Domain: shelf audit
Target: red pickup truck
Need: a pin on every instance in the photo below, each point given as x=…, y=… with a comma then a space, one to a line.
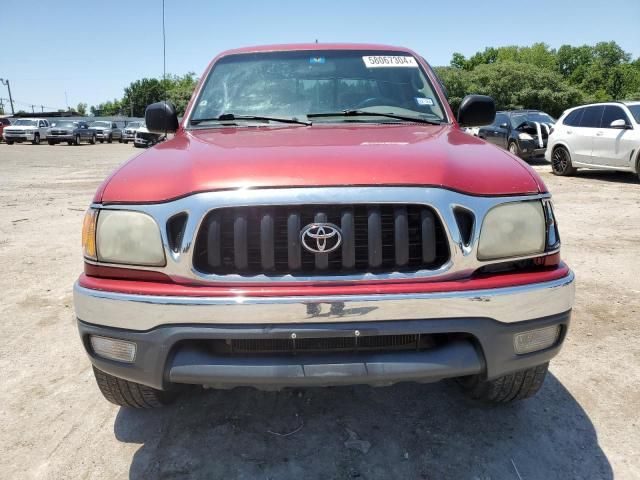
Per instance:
x=320, y=218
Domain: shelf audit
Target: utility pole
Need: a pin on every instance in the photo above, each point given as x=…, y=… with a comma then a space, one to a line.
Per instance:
x=2, y=105
x=6, y=83
x=33, y=110
x=42, y=107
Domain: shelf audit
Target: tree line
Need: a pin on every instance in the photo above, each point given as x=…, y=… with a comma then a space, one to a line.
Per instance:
x=139, y=94
x=544, y=78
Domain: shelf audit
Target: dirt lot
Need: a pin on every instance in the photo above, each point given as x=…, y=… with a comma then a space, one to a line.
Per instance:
x=585, y=423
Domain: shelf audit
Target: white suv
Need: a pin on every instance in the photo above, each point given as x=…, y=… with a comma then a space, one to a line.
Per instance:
x=603, y=136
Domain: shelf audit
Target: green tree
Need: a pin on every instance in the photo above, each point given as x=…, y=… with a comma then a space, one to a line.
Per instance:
x=81, y=108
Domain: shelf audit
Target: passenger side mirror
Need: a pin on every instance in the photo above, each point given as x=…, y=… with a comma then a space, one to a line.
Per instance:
x=476, y=110
x=161, y=117
x=503, y=125
x=620, y=123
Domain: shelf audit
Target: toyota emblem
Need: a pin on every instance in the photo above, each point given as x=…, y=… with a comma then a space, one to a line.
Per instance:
x=321, y=237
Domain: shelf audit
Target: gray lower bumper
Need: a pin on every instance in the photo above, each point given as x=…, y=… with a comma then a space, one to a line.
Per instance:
x=178, y=353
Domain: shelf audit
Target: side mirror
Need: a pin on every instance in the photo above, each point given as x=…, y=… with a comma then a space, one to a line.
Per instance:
x=504, y=125
x=161, y=117
x=476, y=110
x=620, y=123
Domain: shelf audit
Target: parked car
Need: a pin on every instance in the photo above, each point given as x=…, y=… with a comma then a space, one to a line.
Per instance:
x=602, y=136
x=4, y=122
x=144, y=138
x=71, y=132
x=129, y=131
x=472, y=130
x=523, y=132
x=107, y=131
x=330, y=226
x=26, y=130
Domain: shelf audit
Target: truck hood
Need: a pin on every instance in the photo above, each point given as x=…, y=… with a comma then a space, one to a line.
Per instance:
x=18, y=127
x=320, y=155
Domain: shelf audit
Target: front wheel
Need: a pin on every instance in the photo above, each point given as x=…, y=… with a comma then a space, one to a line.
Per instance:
x=92, y=141
x=77, y=140
x=110, y=139
x=51, y=142
x=36, y=139
x=9, y=142
x=561, y=162
x=513, y=149
x=125, y=141
x=130, y=394
x=508, y=388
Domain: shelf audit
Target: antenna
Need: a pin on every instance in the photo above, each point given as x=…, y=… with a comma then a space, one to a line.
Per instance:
x=164, y=47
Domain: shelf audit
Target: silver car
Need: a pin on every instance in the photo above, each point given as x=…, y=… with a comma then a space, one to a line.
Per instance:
x=107, y=131
x=129, y=132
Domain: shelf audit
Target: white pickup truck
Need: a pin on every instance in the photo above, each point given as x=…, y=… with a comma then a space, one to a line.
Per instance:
x=26, y=130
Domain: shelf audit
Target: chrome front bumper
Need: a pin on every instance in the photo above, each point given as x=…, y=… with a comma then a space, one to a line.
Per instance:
x=145, y=312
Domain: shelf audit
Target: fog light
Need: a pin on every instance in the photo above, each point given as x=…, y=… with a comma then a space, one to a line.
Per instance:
x=113, y=349
x=534, y=340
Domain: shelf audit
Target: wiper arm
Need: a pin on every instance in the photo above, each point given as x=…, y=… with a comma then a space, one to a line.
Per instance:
x=362, y=113
x=231, y=117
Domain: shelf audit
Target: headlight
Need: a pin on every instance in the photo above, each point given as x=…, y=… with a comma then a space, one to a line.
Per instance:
x=128, y=237
x=525, y=136
x=512, y=230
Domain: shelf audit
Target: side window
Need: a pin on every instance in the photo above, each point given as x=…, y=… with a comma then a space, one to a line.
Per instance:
x=611, y=113
x=500, y=119
x=573, y=119
x=591, y=117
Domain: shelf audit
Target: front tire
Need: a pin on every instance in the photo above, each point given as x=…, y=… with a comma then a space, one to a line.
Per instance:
x=110, y=139
x=93, y=139
x=51, y=142
x=36, y=139
x=513, y=149
x=125, y=141
x=77, y=140
x=130, y=394
x=561, y=162
x=506, y=389
x=9, y=142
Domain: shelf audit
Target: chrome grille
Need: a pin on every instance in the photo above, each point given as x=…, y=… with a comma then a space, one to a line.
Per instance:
x=376, y=238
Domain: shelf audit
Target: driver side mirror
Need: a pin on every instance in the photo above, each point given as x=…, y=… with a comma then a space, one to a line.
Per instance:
x=504, y=125
x=620, y=124
x=476, y=110
x=161, y=117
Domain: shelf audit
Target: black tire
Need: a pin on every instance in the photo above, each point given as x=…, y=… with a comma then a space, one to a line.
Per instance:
x=101, y=141
x=36, y=139
x=77, y=140
x=125, y=141
x=51, y=142
x=561, y=162
x=506, y=389
x=9, y=142
x=130, y=394
x=120, y=140
x=513, y=149
x=93, y=139
x=110, y=139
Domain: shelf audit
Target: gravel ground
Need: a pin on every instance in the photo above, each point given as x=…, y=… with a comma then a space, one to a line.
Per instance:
x=55, y=424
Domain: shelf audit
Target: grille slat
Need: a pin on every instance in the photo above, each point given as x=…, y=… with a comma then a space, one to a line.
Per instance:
x=376, y=238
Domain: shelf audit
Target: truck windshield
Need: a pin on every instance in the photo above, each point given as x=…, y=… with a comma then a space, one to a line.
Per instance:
x=64, y=124
x=294, y=84
x=25, y=123
x=518, y=119
x=101, y=124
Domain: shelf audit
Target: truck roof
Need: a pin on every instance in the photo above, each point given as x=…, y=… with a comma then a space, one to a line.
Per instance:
x=287, y=47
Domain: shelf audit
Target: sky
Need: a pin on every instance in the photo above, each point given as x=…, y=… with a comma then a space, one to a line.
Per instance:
x=61, y=53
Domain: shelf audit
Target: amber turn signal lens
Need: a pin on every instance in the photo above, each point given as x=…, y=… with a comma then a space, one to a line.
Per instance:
x=89, y=234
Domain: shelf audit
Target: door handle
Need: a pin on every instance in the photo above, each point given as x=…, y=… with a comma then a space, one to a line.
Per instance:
x=569, y=132
x=599, y=134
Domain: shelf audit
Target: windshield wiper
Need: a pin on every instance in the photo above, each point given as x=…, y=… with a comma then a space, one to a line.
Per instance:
x=362, y=113
x=229, y=117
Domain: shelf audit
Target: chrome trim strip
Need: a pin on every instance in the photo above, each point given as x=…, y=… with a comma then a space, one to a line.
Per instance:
x=463, y=260
x=144, y=312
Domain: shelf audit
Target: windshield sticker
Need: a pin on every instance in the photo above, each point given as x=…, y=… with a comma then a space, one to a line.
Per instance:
x=378, y=61
x=316, y=60
x=421, y=101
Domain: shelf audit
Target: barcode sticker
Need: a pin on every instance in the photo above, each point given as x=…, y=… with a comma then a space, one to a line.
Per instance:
x=378, y=61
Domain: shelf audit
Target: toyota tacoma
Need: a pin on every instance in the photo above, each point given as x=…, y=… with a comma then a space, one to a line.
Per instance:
x=320, y=218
